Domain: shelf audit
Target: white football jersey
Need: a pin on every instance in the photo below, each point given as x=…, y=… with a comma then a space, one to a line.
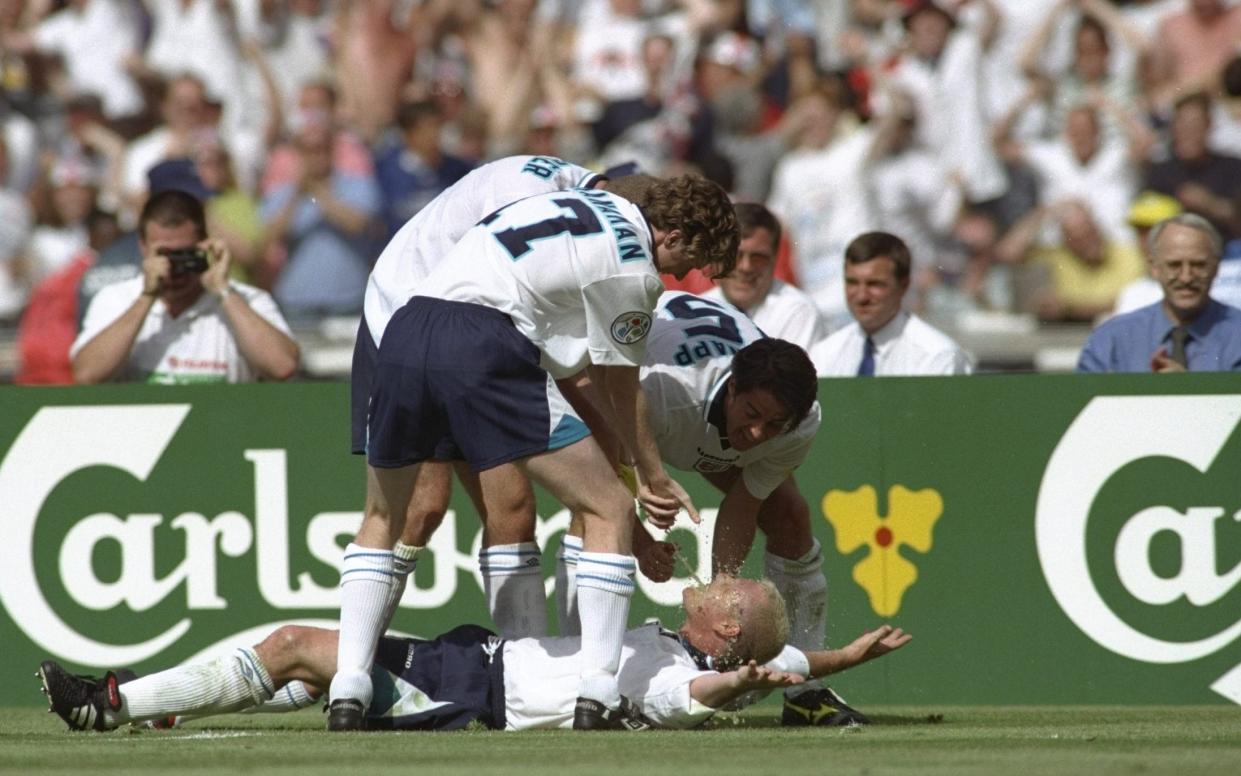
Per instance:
x=688, y=362
x=541, y=678
x=573, y=269
x=425, y=239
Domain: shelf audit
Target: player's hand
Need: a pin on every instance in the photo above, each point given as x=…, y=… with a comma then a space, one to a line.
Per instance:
x=663, y=499
x=752, y=676
x=657, y=560
x=219, y=261
x=876, y=643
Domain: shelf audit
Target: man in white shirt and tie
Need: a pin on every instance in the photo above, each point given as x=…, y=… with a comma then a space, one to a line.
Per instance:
x=883, y=339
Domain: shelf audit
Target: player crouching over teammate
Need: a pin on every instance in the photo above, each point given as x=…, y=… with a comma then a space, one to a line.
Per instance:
x=671, y=679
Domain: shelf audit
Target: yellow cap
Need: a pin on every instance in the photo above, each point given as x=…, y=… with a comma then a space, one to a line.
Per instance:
x=1149, y=208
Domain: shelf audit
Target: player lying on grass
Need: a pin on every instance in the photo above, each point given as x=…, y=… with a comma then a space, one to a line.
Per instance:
x=672, y=679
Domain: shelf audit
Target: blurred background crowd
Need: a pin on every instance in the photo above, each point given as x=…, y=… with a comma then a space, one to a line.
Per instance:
x=1021, y=148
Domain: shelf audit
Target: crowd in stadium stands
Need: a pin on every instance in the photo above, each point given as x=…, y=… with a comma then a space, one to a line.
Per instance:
x=1019, y=148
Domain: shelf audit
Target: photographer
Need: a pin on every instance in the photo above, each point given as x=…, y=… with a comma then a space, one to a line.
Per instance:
x=182, y=320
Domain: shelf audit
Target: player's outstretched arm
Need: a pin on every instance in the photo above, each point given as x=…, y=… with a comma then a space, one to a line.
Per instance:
x=718, y=690
x=868, y=646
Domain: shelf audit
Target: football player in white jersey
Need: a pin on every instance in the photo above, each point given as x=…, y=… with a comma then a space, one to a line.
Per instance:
x=467, y=370
x=507, y=506
x=674, y=679
x=740, y=408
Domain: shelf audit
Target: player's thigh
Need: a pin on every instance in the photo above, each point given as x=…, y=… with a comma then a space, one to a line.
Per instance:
x=504, y=498
x=784, y=518
x=579, y=477
x=723, y=481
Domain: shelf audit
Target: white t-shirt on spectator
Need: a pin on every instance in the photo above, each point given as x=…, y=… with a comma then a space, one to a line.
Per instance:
x=93, y=43
x=1105, y=182
x=821, y=197
x=907, y=346
x=786, y=313
x=195, y=347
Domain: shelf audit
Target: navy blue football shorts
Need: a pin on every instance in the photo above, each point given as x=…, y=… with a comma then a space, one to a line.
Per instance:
x=458, y=381
x=443, y=684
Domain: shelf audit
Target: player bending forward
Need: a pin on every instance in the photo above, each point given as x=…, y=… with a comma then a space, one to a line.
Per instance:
x=672, y=679
x=739, y=408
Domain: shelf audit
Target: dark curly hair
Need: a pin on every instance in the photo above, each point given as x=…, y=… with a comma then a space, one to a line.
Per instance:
x=704, y=215
x=782, y=368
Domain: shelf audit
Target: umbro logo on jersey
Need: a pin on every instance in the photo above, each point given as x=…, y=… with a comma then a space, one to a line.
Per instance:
x=631, y=327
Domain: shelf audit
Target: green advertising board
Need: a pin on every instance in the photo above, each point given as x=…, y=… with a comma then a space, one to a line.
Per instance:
x=1047, y=539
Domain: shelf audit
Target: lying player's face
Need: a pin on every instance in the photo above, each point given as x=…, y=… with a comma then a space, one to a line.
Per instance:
x=753, y=417
x=716, y=601
x=873, y=292
x=750, y=282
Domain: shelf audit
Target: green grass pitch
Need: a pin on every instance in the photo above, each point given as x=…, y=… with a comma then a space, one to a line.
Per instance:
x=905, y=740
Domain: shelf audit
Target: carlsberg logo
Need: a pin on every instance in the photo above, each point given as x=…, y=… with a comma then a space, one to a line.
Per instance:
x=1109, y=434
x=59, y=441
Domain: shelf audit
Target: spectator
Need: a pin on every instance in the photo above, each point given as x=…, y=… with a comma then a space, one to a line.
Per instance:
x=818, y=194
x=1076, y=277
x=1082, y=164
x=232, y=212
x=16, y=221
x=1147, y=210
x=779, y=309
x=376, y=46
x=1187, y=330
x=1192, y=48
x=942, y=70
x=1226, y=121
x=883, y=339
x=185, y=111
x=50, y=323
x=414, y=170
x=316, y=106
x=1205, y=182
x=915, y=197
x=1107, y=53
x=93, y=41
x=71, y=192
x=183, y=320
x=324, y=222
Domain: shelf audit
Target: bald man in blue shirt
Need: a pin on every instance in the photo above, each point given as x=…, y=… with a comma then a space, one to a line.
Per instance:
x=1187, y=330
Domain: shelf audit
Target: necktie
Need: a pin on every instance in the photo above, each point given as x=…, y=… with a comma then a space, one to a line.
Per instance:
x=867, y=367
x=1180, y=335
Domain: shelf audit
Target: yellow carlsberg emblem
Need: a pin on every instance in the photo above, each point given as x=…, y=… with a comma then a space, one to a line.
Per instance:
x=883, y=573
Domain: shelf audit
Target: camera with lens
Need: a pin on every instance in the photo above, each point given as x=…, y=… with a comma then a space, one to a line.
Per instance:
x=185, y=261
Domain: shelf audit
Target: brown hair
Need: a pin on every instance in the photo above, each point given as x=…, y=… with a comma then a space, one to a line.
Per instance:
x=873, y=245
x=172, y=208
x=780, y=367
x=704, y=215
x=752, y=215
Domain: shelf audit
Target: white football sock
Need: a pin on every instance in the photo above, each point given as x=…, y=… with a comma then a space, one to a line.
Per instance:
x=404, y=561
x=604, y=587
x=365, y=582
x=293, y=696
x=224, y=684
x=804, y=588
x=513, y=584
x=566, y=585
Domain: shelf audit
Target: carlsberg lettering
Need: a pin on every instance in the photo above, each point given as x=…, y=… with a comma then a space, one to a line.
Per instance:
x=1103, y=438
x=59, y=441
